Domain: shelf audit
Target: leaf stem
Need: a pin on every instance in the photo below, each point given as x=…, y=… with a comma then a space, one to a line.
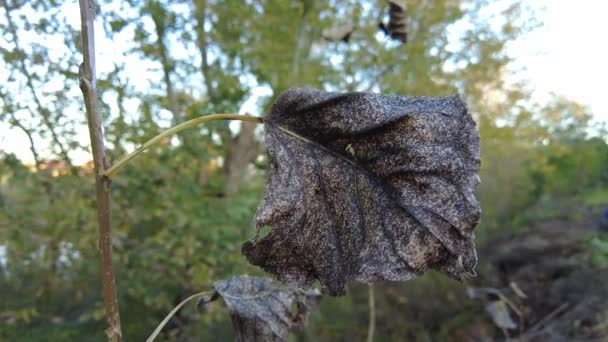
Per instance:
x=171, y=131
x=162, y=324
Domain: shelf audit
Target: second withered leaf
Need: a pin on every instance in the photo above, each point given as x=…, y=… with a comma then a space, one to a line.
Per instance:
x=367, y=187
x=261, y=310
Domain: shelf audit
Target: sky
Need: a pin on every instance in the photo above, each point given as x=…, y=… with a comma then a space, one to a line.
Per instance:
x=567, y=55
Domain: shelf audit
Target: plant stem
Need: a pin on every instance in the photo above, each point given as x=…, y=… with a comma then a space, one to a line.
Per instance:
x=372, y=314
x=89, y=91
x=173, y=130
x=162, y=324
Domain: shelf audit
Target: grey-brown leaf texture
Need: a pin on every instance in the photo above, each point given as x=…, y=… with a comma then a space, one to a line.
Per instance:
x=263, y=311
x=382, y=190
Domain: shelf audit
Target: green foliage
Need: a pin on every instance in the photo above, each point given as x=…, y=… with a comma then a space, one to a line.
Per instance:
x=539, y=167
x=596, y=197
x=598, y=246
x=171, y=237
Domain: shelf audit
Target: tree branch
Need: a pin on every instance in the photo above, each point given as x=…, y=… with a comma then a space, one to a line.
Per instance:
x=297, y=50
x=15, y=122
x=158, y=17
x=242, y=149
x=120, y=101
x=200, y=12
x=89, y=92
x=44, y=112
x=27, y=132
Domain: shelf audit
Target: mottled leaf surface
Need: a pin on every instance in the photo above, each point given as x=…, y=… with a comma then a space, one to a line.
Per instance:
x=261, y=310
x=380, y=188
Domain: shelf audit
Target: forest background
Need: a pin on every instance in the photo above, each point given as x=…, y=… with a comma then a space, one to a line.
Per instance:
x=182, y=210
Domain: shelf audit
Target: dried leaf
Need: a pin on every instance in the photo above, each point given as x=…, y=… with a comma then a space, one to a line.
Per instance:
x=397, y=21
x=367, y=187
x=340, y=33
x=263, y=311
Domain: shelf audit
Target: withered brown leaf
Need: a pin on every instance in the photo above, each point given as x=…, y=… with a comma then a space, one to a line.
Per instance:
x=263, y=311
x=376, y=187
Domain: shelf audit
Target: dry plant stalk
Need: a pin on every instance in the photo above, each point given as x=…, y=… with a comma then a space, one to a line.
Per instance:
x=89, y=92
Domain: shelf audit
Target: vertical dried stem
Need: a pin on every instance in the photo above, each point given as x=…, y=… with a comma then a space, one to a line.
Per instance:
x=89, y=92
x=372, y=314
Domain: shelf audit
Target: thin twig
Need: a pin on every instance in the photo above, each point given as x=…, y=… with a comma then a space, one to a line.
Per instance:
x=162, y=324
x=28, y=132
x=191, y=123
x=89, y=92
x=43, y=111
x=30, y=138
x=549, y=317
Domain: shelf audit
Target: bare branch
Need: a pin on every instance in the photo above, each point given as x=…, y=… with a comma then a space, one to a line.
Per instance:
x=200, y=8
x=89, y=92
x=28, y=132
x=165, y=60
x=241, y=150
x=299, y=44
x=43, y=111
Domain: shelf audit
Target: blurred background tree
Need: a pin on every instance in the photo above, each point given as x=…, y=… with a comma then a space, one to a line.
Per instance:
x=182, y=210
